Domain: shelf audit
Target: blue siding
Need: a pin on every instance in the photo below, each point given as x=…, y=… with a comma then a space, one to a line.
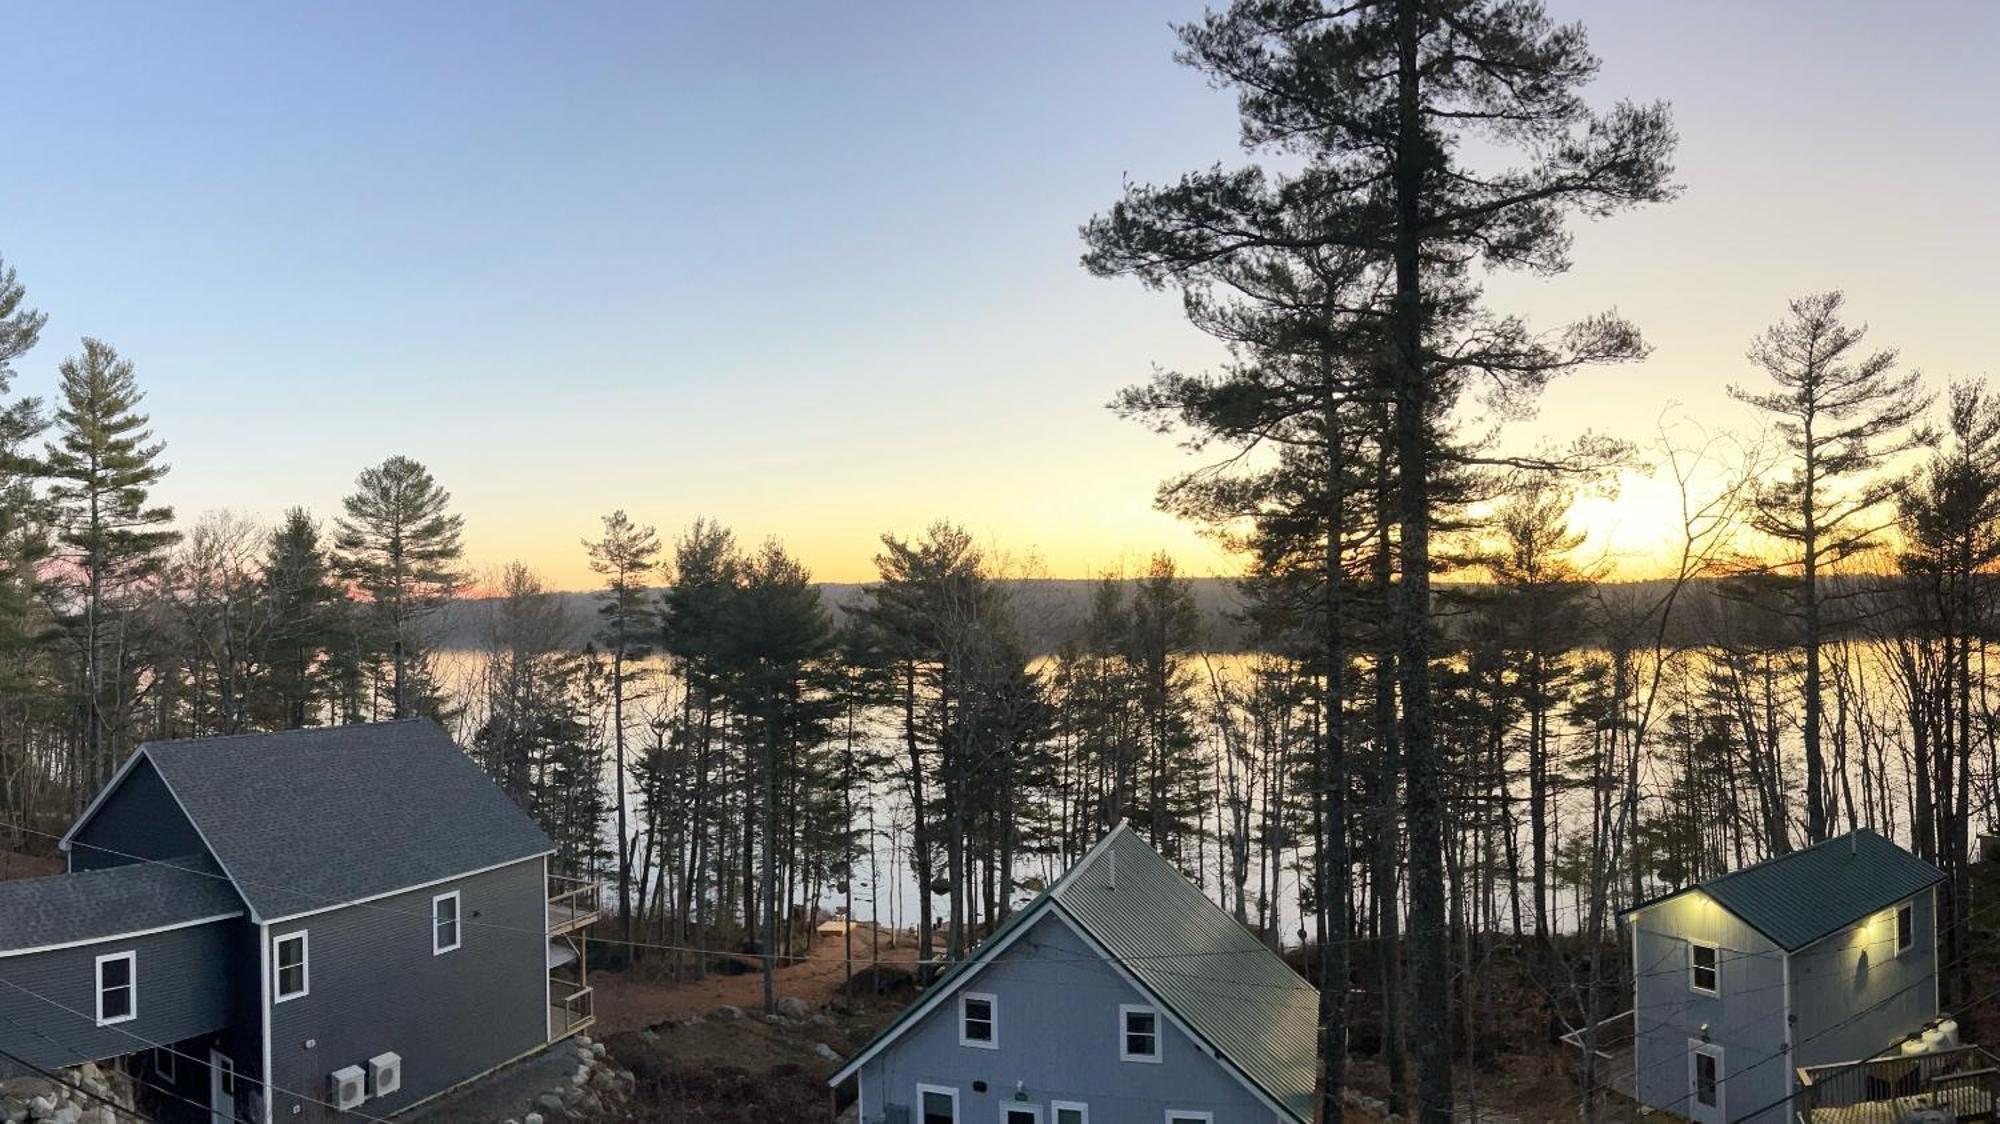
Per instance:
x=1058, y=1041
x=139, y=818
x=1854, y=997
x=184, y=990
x=1747, y=1019
x=375, y=987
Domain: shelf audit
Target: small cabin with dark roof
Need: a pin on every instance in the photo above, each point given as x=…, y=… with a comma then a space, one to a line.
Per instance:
x=1119, y=995
x=1747, y=985
x=288, y=926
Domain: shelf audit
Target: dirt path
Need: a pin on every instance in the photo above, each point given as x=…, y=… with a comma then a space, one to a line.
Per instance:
x=638, y=998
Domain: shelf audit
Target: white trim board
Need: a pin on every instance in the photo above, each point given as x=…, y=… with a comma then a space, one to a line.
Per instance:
x=134, y=935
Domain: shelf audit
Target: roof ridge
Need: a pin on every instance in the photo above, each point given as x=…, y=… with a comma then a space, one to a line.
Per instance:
x=1808, y=849
x=210, y=739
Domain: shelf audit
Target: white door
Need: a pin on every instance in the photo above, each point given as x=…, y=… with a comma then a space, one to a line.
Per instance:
x=221, y=1088
x=1705, y=1078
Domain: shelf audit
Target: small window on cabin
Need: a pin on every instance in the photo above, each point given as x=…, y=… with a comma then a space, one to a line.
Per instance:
x=1906, y=927
x=444, y=923
x=978, y=1021
x=1138, y=1034
x=288, y=966
x=1070, y=1112
x=1703, y=974
x=937, y=1105
x=117, y=988
x=163, y=1064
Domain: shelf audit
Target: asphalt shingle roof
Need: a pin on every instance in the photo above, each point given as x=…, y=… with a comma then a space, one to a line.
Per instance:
x=1798, y=898
x=92, y=904
x=305, y=819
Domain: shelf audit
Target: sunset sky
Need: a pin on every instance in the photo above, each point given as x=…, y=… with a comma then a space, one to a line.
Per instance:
x=811, y=269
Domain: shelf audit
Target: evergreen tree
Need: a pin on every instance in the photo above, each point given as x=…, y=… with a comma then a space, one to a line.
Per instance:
x=102, y=466
x=304, y=607
x=1841, y=414
x=626, y=556
x=399, y=545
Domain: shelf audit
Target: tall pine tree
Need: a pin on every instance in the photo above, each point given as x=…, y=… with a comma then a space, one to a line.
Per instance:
x=626, y=556
x=399, y=544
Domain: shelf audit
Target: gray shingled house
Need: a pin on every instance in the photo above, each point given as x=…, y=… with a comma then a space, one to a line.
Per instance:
x=275, y=926
x=1119, y=995
x=1747, y=982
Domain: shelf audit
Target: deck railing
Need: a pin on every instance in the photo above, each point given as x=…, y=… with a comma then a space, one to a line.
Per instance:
x=573, y=903
x=570, y=1007
x=1964, y=1080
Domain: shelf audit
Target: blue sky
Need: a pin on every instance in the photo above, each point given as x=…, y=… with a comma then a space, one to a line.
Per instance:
x=811, y=269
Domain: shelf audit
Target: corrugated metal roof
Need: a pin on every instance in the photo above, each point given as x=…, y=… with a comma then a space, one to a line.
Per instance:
x=1199, y=964
x=1798, y=898
x=1212, y=973
x=305, y=819
x=114, y=901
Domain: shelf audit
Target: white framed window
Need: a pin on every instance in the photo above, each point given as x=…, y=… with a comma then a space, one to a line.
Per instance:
x=937, y=1104
x=1069, y=1112
x=1188, y=1116
x=289, y=975
x=117, y=988
x=979, y=1020
x=163, y=1064
x=444, y=923
x=1138, y=1034
x=1704, y=968
x=1906, y=927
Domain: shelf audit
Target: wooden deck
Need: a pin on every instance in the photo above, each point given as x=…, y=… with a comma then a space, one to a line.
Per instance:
x=1963, y=1081
x=1614, y=1070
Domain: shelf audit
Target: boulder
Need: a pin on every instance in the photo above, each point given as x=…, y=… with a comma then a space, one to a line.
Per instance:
x=13, y=1110
x=597, y=1049
x=792, y=1007
x=550, y=1101
x=533, y=1118
x=825, y=1051
x=727, y=1012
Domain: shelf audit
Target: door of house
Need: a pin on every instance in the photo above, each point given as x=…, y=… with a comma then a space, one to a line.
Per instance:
x=221, y=1088
x=1021, y=1114
x=1705, y=1076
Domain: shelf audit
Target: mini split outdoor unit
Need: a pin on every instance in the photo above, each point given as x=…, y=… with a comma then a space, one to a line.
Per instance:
x=385, y=1074
x=348, y=1087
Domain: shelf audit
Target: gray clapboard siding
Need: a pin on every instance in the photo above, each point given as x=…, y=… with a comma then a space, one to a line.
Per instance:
x=1854, y=997
x=1058, y=1030
x=137, y=820
x=184, y=990
x=375, y=987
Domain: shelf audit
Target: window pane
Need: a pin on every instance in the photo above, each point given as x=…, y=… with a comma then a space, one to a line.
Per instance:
x=117, y=1002
x=1021, y=1116
x=937, y=1109
x=1704, y=1079
x=1905, y=927
x=1069, y=1116
x=117, y=973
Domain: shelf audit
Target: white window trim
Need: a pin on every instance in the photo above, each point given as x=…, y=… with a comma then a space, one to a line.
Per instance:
x=131, y=987
x=1124, y=1035
x=1183, y=1115
x=1709, y=1049
x=1695, y=987
x=457, y=923
x=1057, y=1108
x=278, y=992
x=163, y=1065
x=948, y=1090
x=1909, y=907
x=992, y=1020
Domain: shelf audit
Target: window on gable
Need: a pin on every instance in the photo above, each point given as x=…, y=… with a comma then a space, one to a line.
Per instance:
x=117, y=988
x=1704, y=973
x=1906, y=927
x=444, y=923
x=288, y=967
x=1138, y=1034
x=978, y=1021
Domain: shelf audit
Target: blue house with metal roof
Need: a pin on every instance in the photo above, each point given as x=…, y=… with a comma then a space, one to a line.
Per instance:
x=294, y=925
x=1119, y=995
x=1741, y=983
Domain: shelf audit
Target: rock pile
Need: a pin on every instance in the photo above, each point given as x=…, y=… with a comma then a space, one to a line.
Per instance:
x=594, y=1088
x=83, y=1096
